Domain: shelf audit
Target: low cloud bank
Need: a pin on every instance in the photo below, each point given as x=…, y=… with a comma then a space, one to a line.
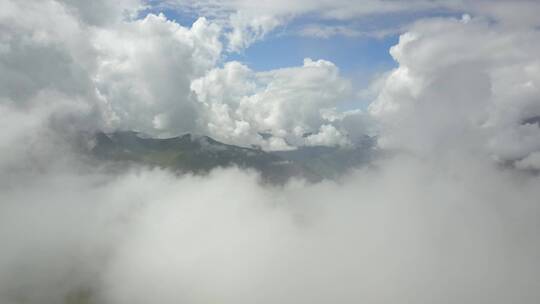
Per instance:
x=408, y=229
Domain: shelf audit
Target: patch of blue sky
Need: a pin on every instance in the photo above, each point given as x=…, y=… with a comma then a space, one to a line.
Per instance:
x=355, y=55
x=365, y=48
x=348, y=53
x=360, y=56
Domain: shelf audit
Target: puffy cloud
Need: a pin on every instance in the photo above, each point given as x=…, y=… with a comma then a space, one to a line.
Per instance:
x=462, y=85
x=136, y=74
x=145, y=70
x=156, y=76
x=328, y=135
x=286, y=102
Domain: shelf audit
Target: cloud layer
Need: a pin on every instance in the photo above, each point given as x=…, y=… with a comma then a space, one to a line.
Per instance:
x=408, y=230
x=448, y=213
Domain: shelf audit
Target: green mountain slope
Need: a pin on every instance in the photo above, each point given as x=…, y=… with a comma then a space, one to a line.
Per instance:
x=189, y=153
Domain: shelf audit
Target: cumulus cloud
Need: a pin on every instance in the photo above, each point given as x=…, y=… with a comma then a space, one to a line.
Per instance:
x=328, y=135
x=156, y=76
x=287, y=103
x=452, y=90
x=145, y=70
x=135, y=74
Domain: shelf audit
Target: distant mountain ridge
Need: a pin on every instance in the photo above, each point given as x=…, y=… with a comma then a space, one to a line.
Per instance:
x=200, y=154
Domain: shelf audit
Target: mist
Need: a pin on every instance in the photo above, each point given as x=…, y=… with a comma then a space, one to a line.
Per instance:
x=406, y=229
x=446, y=209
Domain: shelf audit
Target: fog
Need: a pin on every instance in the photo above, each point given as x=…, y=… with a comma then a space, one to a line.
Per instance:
x=448, y=210
x=406, y=229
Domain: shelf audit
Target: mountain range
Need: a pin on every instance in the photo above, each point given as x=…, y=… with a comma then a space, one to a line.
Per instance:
x=200, y=154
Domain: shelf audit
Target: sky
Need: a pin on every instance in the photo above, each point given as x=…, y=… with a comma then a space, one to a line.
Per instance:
x=233, y=70
x=288, y=45
x=446, y=212
x=360, y=57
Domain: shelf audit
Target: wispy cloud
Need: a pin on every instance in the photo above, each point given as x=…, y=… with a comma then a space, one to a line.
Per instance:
x=328, y=31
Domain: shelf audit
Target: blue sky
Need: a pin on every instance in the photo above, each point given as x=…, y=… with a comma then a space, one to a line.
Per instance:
x=360, y=58
x=350, y=54
x=357, y=57
x=284, y=47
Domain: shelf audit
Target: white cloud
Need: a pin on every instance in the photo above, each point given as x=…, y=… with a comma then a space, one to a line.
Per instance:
x=134, y=73
x=103, y=12
x=515, y=12
x=249, y=21
x=413, y=227
x=518, y=13
x=246, y=29
x=339, y=9
x=145, y=70
x=139, y=74
x=462, y=84
x=43, y=48
x=327, y=31
x=285, y=102
x=156, y=76
x=328, y=135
